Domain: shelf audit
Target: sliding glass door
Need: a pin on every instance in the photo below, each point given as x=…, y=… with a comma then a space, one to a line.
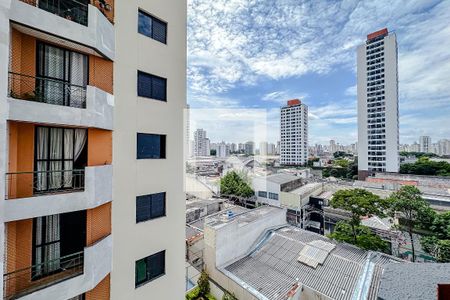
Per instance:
x=62, y=76
x=57, y=151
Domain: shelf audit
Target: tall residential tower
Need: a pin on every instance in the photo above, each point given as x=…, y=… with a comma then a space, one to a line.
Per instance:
x=378, y=129
x=294, y=133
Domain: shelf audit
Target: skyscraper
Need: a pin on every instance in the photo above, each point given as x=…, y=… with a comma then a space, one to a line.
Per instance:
x=294, y=133
x=424, y=144
x=201, y=143
x=378, y=129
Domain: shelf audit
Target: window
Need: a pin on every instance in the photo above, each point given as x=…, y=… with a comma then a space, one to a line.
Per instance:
x=262, y=194
x=150, y=268
x=151, y=86
x=151, y=146
x=150, y=207
x=152, y=27
x=273, y=196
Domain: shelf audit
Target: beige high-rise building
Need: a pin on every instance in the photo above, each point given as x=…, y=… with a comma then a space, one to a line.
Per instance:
x=148, y=193
x=92, y=94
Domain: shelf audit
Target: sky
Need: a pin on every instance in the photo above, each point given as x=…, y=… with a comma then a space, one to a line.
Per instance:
x=254, y=55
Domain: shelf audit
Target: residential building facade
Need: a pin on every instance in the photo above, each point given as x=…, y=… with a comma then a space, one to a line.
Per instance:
x=201, y=143
x=56, y=127
x=149, y=209
x=377, y=89
x=425, y=144
x=294, y=133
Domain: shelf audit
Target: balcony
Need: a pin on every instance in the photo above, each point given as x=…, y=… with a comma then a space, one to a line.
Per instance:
x=72, y=20
x=72, y=275
x=58, y=102
x=28, y=280
x=35, y=194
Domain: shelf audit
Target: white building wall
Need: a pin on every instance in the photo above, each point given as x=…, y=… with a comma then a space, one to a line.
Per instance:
x=133, y=177
x=294, y=137
x=4, y=59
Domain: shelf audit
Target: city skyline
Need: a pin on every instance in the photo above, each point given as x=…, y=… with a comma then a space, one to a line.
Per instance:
x=318, y=64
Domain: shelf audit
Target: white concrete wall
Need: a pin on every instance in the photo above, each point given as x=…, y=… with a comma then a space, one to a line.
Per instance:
x=98, y=191
x=362, y=108
x=134, y=177
x=4, y=63
x=99, y=34
x=97, y=264
x=261, y=184
x=391, y=95
x=98, y=112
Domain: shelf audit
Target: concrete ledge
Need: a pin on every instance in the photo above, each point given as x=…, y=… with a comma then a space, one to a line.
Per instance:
x=98, y=35
x=98, y=191
x=98, y=112
x=97, y=264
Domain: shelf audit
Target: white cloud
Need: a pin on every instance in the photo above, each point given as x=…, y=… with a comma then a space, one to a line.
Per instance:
x=282, y=96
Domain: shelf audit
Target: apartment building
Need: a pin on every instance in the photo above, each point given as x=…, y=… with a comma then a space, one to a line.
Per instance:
x=86, y=85
x=56, y=167
x=201, y=143
x=377, y=89
x=424, y=143
x=149, y=202
x=294, y=133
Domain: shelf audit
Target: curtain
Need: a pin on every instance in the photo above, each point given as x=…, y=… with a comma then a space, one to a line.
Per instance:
x=78, y=77
x=47, y=244
x=80, y=141
x=68, y=157
x=41, y=153
x=53, y=70
x=56, y=155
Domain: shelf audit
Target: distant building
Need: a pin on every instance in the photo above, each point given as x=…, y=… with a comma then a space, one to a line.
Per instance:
x=268, y=188
x=233, y=147
x=222, y=150
x=241, y=147
x=271, y=149
x=249, y=148
x=378, y=129
x=424, y=144
x=294, y=133
x=263, y=147
x=201, y=143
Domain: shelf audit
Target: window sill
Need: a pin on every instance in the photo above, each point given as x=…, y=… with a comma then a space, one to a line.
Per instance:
x=152, y=219
x=151, y=280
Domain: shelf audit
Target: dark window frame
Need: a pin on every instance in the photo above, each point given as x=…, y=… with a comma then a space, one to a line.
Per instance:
x=162, y=148
x=142, y=92
x=147, y=261
x=152, y=20
x=151, y=215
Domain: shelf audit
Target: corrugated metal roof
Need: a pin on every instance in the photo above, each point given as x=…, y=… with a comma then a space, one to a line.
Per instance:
x=273, y=269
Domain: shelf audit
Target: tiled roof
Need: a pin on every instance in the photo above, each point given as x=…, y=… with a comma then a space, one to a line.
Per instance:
x=273, y=269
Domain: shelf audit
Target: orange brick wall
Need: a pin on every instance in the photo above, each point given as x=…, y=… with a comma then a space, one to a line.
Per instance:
x=101, y=291
x=21, y=159
x=98, y=223
x=101, y=73
x=99, y=147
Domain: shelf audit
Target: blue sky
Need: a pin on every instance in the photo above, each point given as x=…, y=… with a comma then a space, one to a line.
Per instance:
x=257, y=54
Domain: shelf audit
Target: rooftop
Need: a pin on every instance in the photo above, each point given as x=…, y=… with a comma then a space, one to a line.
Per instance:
x=421, y=283
x=307, y=188
x=281, y=178
x=241, y=215
x=341, y=271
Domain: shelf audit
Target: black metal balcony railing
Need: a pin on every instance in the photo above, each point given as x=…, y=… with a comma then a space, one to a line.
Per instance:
x=28, y=280
x=29, y=184
x=46, y=90
x=76, y=11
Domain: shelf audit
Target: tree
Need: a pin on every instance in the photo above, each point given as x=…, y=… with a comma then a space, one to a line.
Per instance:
x=233, y=184
x=203, y=284
x=359, y=203
x=365, y=238
x=413, y=209
x=438, y=243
